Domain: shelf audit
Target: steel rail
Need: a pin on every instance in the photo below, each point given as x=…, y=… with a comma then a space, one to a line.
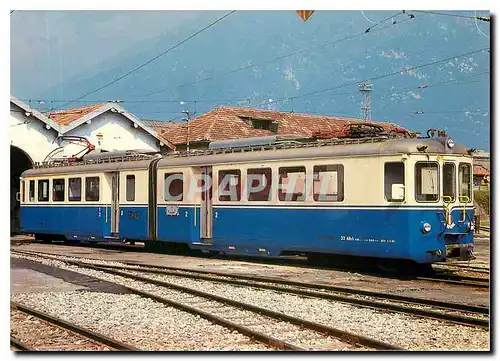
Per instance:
x=461, y=267
x=344, y=336
x=285, y=261
x=19, y=346
x=234, y=279
x=348, y=290
x=330, y=331
x=468, y=321
x=74, y=328
x=457, y=280
x=237, y=279
x=258, y=336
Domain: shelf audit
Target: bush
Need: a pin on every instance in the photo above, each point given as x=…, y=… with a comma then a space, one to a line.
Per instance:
x=482, y=198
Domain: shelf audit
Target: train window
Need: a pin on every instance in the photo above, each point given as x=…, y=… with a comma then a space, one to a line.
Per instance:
x=259, y=182
x=130, y=189
x=58, y=190
x=464, y=176
x=394, y=173
x=292, y=184
x=75, y=189
x=230, y=185
x=32, y=191
x=426, y=182
x=92, y=189
x=328, y=183
x=43, y=190
x=173, y=187
x=449, y=185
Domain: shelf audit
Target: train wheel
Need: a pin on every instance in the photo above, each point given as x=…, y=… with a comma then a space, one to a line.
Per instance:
x=153, y=246
x=44, y=238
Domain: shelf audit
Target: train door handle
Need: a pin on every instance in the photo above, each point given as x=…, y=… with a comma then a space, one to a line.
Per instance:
x=121, y=213
x=216, y=215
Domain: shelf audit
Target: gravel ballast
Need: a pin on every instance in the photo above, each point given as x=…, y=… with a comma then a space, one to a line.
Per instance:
x=401, y=330
x=44, y=336
x=137, y=321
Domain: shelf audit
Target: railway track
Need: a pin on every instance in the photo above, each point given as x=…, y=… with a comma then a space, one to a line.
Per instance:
x=17, y=345
x=484, y=228
x=261, y=324
x=447, y=311
x=476, y=282
x=88, y=339
x=302, y=262
x=462, y=267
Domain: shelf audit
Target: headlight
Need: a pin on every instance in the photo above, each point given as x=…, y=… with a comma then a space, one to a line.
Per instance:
x=426, y=227
x=450, y=143
x=471, y=226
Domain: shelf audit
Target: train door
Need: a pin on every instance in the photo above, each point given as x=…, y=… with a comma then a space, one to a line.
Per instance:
x=206, y=203
x=115, y=203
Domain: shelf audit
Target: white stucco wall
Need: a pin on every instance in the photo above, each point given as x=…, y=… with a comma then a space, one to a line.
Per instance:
x=108, y=131
x=30, y=134
x=112, y=131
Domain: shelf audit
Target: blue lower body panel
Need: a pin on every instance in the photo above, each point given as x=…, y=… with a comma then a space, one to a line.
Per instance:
x=382, y=233
x=66, y=220
x=134, y=223
x=389, y=232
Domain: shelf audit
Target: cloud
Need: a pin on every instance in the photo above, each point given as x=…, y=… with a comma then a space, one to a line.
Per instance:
x=415, y=95
x=392, y=54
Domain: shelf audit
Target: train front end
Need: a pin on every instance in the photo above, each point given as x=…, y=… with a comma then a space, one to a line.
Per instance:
x=441, y=224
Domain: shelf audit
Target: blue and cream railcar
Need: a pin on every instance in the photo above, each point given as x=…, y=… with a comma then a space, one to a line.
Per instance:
x=405, y=199
x=93, y=202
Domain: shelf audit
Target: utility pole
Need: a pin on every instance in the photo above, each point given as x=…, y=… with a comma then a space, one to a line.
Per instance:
x=366, y=105
x=187, y=119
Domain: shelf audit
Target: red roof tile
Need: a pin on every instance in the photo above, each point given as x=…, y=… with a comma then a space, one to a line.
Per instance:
x=224, y=123
x=479, y=170
x=66, y=117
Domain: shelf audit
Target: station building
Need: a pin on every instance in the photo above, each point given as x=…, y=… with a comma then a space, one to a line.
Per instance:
x=35, y=136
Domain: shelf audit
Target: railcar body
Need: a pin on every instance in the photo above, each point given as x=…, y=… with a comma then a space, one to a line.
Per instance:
x=405, y=199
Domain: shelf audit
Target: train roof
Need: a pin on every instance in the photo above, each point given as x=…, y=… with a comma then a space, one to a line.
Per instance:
x=337, y=148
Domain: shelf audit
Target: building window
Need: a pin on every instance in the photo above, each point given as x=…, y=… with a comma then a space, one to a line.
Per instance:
x=32, y=191
x=449, y=183
x=173, y=187
x=426, y=182
x=260, y=124
x=75, y=189
x=92, y=189
x=394, y=173
x=43, y=190
x=328, y=183
x=230, y=185
x=58, y=190
x=464, y=176
x=259, y=182
x=130, y=188
x=292, y=184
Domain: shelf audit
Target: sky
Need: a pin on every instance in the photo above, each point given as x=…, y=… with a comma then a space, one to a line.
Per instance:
x=66, y=44
x=61, y=55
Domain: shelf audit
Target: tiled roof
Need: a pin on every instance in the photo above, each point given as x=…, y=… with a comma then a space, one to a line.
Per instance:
x=66, y=117
x=480, y=171
x=224, y=123
x=161, y=129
